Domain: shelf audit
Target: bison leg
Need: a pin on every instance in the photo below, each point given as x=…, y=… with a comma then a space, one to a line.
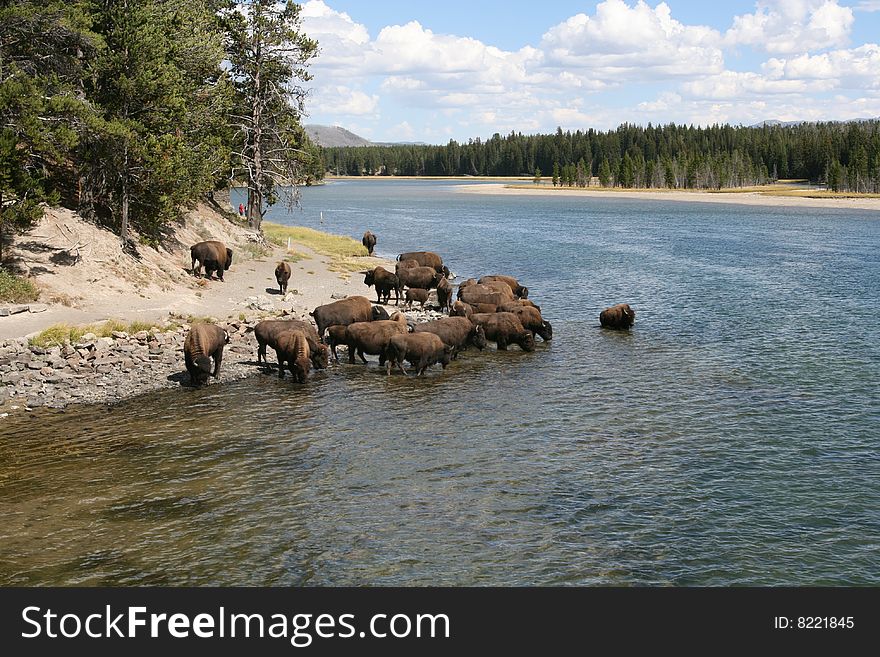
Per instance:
x=361, y=354
x=261, y=353
x=502, y=345
x=196, y=272
x=400, y=365
x=281, y=366
x=218, y=358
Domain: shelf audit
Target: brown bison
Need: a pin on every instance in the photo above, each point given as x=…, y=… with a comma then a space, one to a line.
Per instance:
x=420, y=349
x=620, y=316
x=461, y=309
x=463, y=285
x=369, y=241
x=372, y=337
x=444, y=295
x=518, y=303
x=424, y=258
x=213, y=256
x=504, y=329
x=416, y=294
x=520, y=291
x=456, y=332
x=385, y=282
x=336, y=337
x=267, y=332
x=486, y=294
x=293, y=349
x=204, y=342
x=282, y=275
x=532, y=321
x=343, y=312
x=423, y=277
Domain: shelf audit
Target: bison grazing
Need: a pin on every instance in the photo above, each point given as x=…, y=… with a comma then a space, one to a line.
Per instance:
x=416, y=294
x=204, y=342
x=267, y=332
x=504, y=329
x=456, y=332
x=420, y=349
x=424, y=258
x=532, y=321
x=213, y=256
x=293, y=349
x=369, y=241
x=343, y=312
x=620, y=316
x=282, y=275
x=423, y=277
x=520, y=291
x=385, y=282
x=372, y=337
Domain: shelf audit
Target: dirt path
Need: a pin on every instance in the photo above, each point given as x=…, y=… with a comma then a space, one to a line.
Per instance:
x=103, y=285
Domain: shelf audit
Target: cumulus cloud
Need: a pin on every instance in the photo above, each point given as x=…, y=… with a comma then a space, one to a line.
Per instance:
x=790, y=26
x=339, y=99
x=857, y=68
x=622, y=41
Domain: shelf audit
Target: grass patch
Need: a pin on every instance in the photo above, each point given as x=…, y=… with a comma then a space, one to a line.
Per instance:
x=15, y=289
x=61, y=334
x=295, y=257
x=254, y=251
x=335, y=246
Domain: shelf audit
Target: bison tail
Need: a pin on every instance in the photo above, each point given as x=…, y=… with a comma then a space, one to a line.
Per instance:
x=204, y=364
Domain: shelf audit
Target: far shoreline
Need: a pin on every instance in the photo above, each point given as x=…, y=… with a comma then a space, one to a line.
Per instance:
x=753, y=198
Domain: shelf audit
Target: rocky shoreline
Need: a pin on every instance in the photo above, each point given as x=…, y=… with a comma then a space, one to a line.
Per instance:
x=106, y=370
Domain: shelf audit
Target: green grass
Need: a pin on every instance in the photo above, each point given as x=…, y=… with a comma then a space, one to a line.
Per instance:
x=60, y=334
x=15, y=289
x=335, y=246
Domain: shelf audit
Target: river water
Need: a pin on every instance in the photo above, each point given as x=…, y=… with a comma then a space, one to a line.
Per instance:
x=731, y=438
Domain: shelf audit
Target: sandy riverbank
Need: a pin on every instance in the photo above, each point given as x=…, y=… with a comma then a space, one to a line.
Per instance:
x=738, y=198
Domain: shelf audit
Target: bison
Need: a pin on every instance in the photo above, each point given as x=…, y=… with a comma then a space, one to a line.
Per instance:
x=504, y=329
x=213, y=256
x=518, y=303
x=416, y=294
x=204, y=342
x=424, y=258
x=343, y=312
x=369, y=241
x=420, y=349
x=456, y=332
x=293, y=349
x=267, y=333
x=532, y=321
x=620, y=316
x=461, y=309
x=385, y=282
x=486, y=294
x=444, y=295
x=463, y=285
x=336, y=337
x=282, y=275
x=373, y=337
x=423, y=277
x=520, y=291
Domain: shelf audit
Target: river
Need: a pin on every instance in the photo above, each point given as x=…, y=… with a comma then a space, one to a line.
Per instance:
x=730, y=438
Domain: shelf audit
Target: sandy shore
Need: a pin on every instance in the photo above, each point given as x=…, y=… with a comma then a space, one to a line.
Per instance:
x=736, y=198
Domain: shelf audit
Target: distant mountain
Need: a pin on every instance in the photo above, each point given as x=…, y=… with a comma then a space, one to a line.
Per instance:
x=785, y=124
x=333, y=135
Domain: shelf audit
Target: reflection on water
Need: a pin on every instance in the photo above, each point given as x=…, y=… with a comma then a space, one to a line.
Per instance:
x=730, y=438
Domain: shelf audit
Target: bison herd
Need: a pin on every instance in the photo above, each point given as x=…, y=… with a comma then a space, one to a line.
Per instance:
x=493, y=308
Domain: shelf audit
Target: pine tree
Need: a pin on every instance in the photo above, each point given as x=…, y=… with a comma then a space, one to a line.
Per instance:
x=555, y=174
x=605, y=172
x=269, y=55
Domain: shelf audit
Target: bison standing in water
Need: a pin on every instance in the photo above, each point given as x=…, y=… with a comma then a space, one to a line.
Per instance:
x=369, y=241
x=620, y=316
x=504, y=329
x=521, y=291
x=420, y=349
x=213, y=256
x=267, y=332
x=204, y=342
x=456, y=332
x=373, y=337
x=293, y=348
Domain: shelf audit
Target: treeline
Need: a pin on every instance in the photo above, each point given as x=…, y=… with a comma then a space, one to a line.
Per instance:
x=129, y=110
x=846, y=156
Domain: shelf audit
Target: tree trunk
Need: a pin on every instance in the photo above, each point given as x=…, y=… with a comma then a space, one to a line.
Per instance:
x=123, y=230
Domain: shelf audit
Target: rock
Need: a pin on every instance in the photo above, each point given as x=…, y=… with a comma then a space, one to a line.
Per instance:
x=59, y=377
x=38, y=308
x=47, y=371
x=5, y=311
x=11, y=378
x=38, y=350
x=88, y=338
x=240, y=349
x=337, y=295
x=104, y=343
x=261, y=302
x=141, y=336
x=119, y=335
x=36, y=365
x=104, y=369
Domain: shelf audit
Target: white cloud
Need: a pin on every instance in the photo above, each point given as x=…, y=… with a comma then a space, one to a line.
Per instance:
x=868, y=5
x=620, y=41
x=858, y=68
x=342, y=100
x=790, y=26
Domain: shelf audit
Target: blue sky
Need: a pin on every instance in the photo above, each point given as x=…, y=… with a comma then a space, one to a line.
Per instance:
x=431, y=71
